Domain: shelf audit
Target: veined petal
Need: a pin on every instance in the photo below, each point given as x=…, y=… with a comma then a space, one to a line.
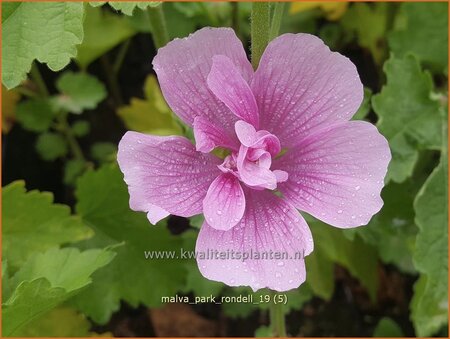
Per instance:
x=166, y=172
x=337, y=174
x=301, y=86
x=269, y=225
x=227, y=83
x=208, y=136
x=183, y=65
x=224, y=204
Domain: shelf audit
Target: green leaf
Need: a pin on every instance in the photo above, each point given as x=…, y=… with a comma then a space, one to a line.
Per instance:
x=387, y=328
x=73, y=169
x=263, y=332
x=359, y=258
x=368, y=23
x=81, y=128
x=67, y=268
x=103, y=203
x=51, y=146
x=408, y=117
x=79, y=91
x=425, y=33
x=32, y=223
x=178, y=24
x=104, y=151
x=151, y=115
x=197, y=221
x=35, y=115
x=320, y=274
x=30, y=299
x=46, y=280
x=46, y=31
x=392, y=231
x=365, y=107
x=128, y=7
x=61, y=322
x=430, y=302
x=103, y=31
x=6, y=288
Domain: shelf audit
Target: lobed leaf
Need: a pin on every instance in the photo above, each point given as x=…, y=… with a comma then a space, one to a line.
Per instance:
x=79, y=92
x=103, y=203
x=46, y=280
x=425, y=33
x=408, y=117
x=43, y=31
x=151, y=115
x=430, y=301
x=32, y=224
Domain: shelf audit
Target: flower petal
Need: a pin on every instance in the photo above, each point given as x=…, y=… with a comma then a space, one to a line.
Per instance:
x=227, y=83
x=166, y=172
x=249, y=137
x=155, y=213
x=301, y=86
x=224, y=204
x=183, y=65
x=208, y=136
x=252, y=174
x=269, y=225
x=336, y=174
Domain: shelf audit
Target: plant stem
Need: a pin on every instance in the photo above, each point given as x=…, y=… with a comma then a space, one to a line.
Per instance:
x=26, y=92
x=158, y=26
x=111, y=78
x=260, y=25
x=121, y=56
x=40, y=83
x=277, y=321
x=64, y=127
x=276, y=20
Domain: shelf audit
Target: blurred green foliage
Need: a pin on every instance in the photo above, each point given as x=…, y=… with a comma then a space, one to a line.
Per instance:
x=64, y=270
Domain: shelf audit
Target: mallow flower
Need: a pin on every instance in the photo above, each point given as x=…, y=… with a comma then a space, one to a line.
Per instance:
x=290, y=146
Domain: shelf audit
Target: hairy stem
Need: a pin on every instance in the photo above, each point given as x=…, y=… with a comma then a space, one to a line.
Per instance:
x=158, y=26
x=260, y=25
x=276, y=20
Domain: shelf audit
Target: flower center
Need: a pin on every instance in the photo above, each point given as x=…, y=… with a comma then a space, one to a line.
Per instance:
x=252, y=163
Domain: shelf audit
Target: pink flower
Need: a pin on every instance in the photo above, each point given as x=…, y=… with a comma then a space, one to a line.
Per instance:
x=291, y=146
